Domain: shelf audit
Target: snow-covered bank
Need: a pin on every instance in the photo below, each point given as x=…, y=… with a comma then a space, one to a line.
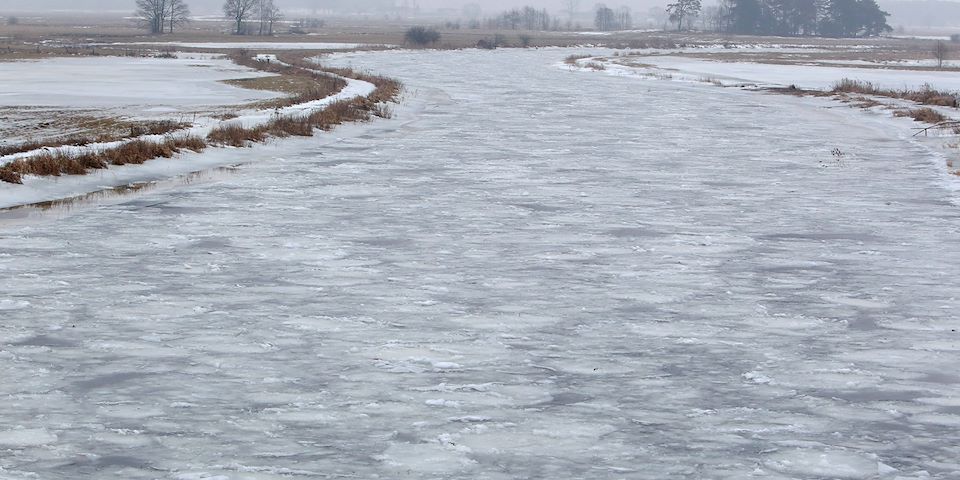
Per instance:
x=129, y=86
x=40, y=189
x=767, y=74
x=535, y=275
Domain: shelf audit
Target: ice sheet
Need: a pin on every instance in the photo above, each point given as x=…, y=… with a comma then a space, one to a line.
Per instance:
x=527, y=273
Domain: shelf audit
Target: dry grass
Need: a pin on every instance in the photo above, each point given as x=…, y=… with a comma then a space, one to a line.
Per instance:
x=291, y=84
x=924, y=114
x=293, y=77
x=236, y=135
x=925, y=96
x=573, y=59
x=63, y=163
x=132, y=130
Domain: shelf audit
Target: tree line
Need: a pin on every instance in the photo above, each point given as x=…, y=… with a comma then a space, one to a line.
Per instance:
x=607, y=19
x=161, y=16
x=531, y=18
x=826, y=18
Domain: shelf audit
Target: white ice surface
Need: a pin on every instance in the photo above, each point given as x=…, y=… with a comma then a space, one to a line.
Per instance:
x=803, y=76
x=136, y=85
x=527, y=273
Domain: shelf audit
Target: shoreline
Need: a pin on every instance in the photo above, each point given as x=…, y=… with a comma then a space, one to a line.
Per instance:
x=362, y=97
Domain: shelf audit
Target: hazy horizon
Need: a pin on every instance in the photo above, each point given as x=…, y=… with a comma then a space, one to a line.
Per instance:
x=934, y=13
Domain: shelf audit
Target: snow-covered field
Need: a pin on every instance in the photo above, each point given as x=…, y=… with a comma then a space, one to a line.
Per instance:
x=133, y=86
x=803, y=76
x=527, y=273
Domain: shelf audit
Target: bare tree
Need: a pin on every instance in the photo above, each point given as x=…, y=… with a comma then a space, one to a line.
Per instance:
x=604, y=20
x=239, y=11
x=571, y=7
x=940, y=51
x=152, y=14
x=683, y=9
x=268, y=14
x=624, y=19
x=178, y=13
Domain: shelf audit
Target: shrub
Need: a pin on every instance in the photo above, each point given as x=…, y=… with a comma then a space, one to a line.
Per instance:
x=421, y=36
x=924, y=114
x=572, y=59
x=236, y=135
x=926, y=95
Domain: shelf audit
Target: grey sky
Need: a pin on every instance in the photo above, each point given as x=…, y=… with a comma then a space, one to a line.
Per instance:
x=940, y=13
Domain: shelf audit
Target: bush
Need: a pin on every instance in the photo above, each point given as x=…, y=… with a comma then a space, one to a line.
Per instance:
x=421, y=36
x=924, y=114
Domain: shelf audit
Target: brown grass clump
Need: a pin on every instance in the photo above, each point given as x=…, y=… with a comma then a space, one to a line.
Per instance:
x=572, y=59
x=595, y=66
x=9, y=176
x=925, y=96
x=160, y=127
x=190, y=142
x=63, y=163
x=136, y=152
x=924, y=114
x=236, y=135
x=287, y=126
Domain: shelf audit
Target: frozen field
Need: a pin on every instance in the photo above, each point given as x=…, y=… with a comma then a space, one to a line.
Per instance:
x=528, y=273
x=803, y=76
x=138, y=86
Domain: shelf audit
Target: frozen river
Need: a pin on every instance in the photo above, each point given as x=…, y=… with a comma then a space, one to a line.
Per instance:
x=528, y=273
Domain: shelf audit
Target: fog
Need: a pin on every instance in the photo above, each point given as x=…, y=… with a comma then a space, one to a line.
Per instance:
x=909, y=13
x=425, y=6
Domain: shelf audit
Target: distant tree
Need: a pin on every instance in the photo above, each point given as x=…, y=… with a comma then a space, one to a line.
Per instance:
x=12, y=20
x=829, y=18
x=472, y=11
x=744, y=16
x=624, y=19
x=940, y=52
x=852, y=18
x=267, y=14
x=526, y=18
x=683, y=9
x=605, y=19
x=571, y=7
x=178, y=13
x=239, y=11
x=421, y=36
x=152, y=14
